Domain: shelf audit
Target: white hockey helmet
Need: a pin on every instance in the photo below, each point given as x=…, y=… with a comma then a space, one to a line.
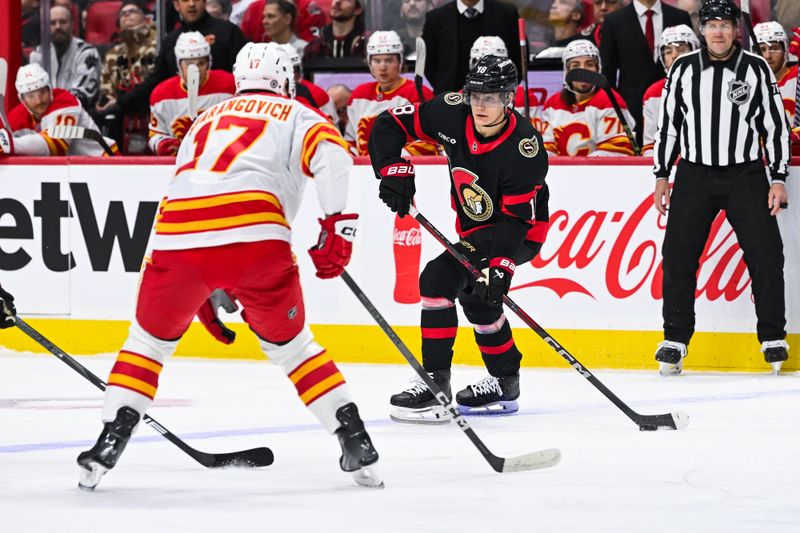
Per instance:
x=192, y=45
x=294, y=57
x=384, y=42
x=580, y=48
x=770, y=32
x=487, y=45
x=31, y=78
x=264, y=67
x=677, y=35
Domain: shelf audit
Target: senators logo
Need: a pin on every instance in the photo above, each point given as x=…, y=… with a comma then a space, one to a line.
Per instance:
x=529, y=147
x=180, y=126
x=453, y=98
x=474, y=201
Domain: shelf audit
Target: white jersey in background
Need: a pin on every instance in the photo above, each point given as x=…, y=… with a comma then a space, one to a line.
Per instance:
x=241, y=171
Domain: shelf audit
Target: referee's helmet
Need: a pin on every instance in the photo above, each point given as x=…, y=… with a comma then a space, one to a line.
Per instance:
x=719, y=10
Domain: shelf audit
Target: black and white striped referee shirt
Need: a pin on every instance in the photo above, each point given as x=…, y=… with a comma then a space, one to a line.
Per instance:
x=720, y=113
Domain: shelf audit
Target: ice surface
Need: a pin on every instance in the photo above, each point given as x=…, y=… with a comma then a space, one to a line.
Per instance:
x=735, y=468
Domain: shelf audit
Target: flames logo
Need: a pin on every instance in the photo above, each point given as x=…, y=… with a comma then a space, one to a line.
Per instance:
x=364, y=130
x=181, y=125
x=474, y=201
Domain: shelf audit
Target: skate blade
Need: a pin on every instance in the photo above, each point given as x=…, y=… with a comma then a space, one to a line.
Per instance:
x=776, y=367
x=669, y=369
x=491, y=409
x=90, y=476
x=368, y=476
x=433, y=415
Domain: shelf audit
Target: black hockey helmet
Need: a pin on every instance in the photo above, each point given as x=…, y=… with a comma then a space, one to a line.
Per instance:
x=719, y=10
x=492, y=74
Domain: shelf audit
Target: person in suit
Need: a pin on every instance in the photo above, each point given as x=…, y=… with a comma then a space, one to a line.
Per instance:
x=450, y=30
x=629, y=52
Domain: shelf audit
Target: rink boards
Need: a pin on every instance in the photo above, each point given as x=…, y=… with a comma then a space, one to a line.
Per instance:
x=73, y=232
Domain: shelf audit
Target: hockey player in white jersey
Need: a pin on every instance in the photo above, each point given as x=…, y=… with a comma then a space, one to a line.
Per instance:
x=389, y=90
x=673, y=43
x=176, y=101
x=226, y=224
x=580, y=120
x=42, y=107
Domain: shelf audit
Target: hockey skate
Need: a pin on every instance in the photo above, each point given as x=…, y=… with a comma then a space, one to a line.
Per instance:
x=490, y=396
x=359, y=456
x=103, y=456
x=775, y=353
x=417, y=404
x=670, y=356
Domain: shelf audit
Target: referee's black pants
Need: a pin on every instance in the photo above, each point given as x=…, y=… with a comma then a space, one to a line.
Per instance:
x=698, y=194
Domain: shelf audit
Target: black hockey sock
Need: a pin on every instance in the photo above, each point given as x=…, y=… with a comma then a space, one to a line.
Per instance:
x=439, y=327
x=500, y=354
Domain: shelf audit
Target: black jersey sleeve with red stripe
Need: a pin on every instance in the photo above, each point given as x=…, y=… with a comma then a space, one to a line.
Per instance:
x=396, y=127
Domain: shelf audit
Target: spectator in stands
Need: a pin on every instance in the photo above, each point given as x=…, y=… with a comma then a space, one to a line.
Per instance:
x=412, y=16
x=788, y=14
x=565, y=17
x=344, y=36
x=309, y=19
x=580, y=120
x=629, y=51
x=76, y=63
x=340, y=96
x=450, y=30
x=389, y=90
x=41, y=107
x=220, y=9
x=170, y=114
x=601, y=8
x=225, y=38
x=674, y=42
x=30, y=23
x=304, y=91
x=279, y=18
x=693, y=8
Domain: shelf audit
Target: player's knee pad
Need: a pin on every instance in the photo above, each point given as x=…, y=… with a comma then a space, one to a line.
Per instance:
x=133, y=380
x=478, y=310
x=437, y=281
x=490, y=328
x=291, y=354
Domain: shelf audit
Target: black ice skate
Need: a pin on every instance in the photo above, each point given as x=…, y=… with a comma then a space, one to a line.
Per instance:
x=490, y=396
x=670, y=356
x=359, y=456
x=775, y=353
x=417, y=404
x=103, y=456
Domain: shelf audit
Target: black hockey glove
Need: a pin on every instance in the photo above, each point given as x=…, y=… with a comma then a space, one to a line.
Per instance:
x=397, y=185
x=497, y=279
x=7, y=310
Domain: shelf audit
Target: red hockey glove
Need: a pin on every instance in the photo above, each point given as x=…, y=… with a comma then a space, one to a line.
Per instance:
x=397, y=185
x=168, y=147
x=6, y=142
x=498, y=279
x=794, y=44
x=335, y=245
x=7, y=310
x=209, y=318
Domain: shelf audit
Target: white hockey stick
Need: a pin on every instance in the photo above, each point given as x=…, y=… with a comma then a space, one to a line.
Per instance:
x=419, y=68
x=3, y=81
x=193, y=88
x=79, y=132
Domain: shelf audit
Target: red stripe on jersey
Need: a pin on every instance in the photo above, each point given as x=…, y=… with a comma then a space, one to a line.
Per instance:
x=496, y=350
x=477, y=147
x=418, y=126
x=538, y=233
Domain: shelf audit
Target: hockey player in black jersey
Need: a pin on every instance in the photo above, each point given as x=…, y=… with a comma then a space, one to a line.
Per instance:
x=497, y=169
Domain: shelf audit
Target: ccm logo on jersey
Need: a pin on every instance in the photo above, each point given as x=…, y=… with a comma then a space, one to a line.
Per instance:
x=445, y=138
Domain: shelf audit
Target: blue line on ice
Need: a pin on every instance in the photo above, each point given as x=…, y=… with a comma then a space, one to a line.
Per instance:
x=40, y=446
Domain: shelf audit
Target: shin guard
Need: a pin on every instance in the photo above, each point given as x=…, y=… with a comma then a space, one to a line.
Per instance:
x=500, y=354
x=439, y=325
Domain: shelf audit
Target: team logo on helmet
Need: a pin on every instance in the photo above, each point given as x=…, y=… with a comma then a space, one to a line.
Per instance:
x=474, y=201
x=529, y=147
x=738, y=92
x=453, y=98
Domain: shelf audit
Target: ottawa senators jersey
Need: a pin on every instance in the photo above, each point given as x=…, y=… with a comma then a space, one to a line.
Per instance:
x=65, y=110
x=169, y=104
x=241, y=171
x=590, y=127
x=496, y=184
x=316, y=97
x=651, y=105
x=368, y=101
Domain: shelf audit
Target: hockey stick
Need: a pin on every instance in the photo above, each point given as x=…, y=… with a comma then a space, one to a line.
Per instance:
x=252, y=458
x=600, y=81
x=523, y=52
x=192, y=89
x=531, y=461
x=3, y=82
x=419, y=68
x=748, y=21
x=677, y=420
x=79, y=132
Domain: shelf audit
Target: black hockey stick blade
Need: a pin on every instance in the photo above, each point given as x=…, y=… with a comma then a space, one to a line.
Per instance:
x=531, y=461
x=677, y=420
x=587, y=76
x=419, y=68
x=254, y=457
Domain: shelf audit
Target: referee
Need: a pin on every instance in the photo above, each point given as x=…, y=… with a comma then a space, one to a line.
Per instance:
x=722, y=112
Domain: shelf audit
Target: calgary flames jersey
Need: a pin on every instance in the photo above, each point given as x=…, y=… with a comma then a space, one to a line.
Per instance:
x=534, y=104
x=651, y=105
x=368, y=101
x=65, y=110
x=590, y=127
x=169, y=104
x=316, y=97
x=241, y=172
x=788, y=87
